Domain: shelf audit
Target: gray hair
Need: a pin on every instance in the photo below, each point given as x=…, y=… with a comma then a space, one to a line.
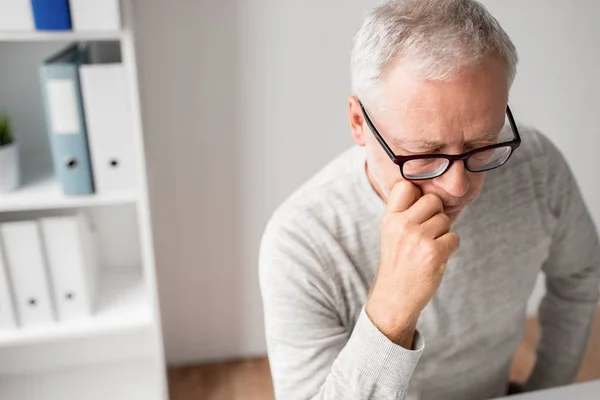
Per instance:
x=438, y=38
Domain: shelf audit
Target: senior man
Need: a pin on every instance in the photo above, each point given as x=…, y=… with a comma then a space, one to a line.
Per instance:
x=442, y=184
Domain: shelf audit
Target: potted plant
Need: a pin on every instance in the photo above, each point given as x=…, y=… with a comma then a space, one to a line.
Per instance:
x=9, y=157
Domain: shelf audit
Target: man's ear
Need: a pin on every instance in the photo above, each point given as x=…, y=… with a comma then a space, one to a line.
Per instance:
x=356, y=121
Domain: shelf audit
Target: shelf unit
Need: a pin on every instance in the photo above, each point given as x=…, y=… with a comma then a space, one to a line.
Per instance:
x=70, y=36
x=118, y=351
x=122, y=306
x=46, y=194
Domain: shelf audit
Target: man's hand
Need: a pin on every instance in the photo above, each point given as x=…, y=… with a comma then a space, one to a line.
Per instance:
x=416, y=244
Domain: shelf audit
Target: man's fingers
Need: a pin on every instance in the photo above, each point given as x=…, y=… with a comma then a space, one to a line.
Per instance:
x=404, y=194
x=425, y=208
x=450, y=241
x=437, y=226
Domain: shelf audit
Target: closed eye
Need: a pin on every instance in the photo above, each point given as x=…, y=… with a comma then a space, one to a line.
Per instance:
x=479, y=145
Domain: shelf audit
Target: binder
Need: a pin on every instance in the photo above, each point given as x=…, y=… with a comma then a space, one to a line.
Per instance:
x=94, y=15
x=68, y=243
x=109, y=126
x=51, y=15
x=27, y=269
x=8, y=318
x=16, y=15
x=65, y=120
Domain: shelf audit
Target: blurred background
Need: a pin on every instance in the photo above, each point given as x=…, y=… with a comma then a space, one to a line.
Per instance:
x=235, y=104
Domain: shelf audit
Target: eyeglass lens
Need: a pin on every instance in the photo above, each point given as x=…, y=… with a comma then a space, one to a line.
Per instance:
x=429, y=168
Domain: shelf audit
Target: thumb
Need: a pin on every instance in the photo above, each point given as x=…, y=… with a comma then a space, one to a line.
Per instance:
x=403, y=195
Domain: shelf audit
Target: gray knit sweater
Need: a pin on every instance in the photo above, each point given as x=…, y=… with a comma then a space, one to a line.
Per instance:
x=320, y=253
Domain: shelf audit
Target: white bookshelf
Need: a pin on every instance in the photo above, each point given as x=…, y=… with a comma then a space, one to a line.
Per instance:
x=117, y=352
x=122, y=306
x=46, y=194
x=39, y=36
x=123, y=319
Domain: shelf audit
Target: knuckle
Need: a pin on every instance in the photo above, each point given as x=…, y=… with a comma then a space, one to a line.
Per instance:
x=446, y=221
x=407, y=229
x=441, y=270
x=410, y=237
x=453, y=243
x=430, y=249
x=419, y=236
x=456, y=239
x=434, y=200
x=403, y=186
x=430, y=197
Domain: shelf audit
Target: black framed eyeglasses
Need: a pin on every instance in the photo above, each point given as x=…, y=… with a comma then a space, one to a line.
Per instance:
x=429, y=166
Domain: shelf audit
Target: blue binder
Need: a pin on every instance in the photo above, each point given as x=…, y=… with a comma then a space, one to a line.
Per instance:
x=51, y=15
x=65, y=120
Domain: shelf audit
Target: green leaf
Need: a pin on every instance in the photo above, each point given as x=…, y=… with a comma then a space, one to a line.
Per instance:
x=6, y=136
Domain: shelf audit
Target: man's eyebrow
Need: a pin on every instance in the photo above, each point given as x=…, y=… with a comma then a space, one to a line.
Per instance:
x=424, y=145
x=419, y=145
x=490, y=136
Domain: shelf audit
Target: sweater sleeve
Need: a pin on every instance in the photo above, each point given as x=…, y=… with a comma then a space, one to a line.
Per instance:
x=572, y=272
x=312, y=355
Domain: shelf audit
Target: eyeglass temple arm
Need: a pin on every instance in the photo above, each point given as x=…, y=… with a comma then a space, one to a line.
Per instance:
x=382, y=142
x=511, y=121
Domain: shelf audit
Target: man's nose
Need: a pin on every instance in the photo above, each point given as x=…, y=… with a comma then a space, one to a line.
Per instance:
x=455, y=181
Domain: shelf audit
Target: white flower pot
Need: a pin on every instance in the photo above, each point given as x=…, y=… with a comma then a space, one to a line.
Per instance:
x=9, y=168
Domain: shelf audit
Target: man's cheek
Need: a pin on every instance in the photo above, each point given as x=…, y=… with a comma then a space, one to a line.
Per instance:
x=384, y=185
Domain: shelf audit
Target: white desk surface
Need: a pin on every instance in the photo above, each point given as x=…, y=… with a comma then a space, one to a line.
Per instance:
x=579, y=391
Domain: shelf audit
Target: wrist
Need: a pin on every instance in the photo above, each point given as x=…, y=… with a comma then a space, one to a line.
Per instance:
x=398, y=327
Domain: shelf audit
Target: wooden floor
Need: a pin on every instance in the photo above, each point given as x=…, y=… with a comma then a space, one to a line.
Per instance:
x=250, y=379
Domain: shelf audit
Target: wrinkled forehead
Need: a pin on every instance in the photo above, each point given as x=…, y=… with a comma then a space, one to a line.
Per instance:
x=463, y=108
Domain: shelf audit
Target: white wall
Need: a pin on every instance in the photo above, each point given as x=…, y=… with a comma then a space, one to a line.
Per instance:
x=243, y=100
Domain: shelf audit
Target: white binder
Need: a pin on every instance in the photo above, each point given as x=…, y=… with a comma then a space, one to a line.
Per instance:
x=7, y=312
x=16, y=15
x=27, y=269
x=71, y=256
x=95, y=15
x=109, y=124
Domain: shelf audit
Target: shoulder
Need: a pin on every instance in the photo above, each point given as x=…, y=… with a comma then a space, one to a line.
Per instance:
x=322, y=197
x=305, y=225
x=535, y=146
x=539, y=168
x=532, y=162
